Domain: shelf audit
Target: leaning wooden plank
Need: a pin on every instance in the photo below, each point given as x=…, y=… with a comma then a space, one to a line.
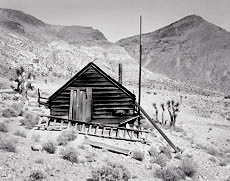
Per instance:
x=176, y=149
x=107, y=147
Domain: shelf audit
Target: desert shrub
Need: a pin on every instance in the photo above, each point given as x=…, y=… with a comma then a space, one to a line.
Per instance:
x=17, y=108
x=111, y=171
x=66, y=136
x=90, y=157
x=153, y=151
x=70, y=154
x=49, y=147
x=36, y=137
x=166, y=150
x=223, y=162
x=7, y=144
x=228, y=179
x=9, y=112
x=138, y=155
x=212, y=159
x=170, y=174
x=39, y=161
x=36, y=175
x=160, y=159
x=29, y=120
x=188, y=166
x=3, y=127
x=20, y=133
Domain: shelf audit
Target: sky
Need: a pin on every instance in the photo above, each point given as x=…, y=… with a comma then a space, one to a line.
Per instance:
x=118, y=19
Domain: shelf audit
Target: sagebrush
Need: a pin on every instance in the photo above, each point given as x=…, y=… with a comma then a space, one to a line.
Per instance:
x=7, y=144
x=36, y=175
x=3, y=127
x=49, y=147
x=170, y=174
x=111, y=171
x=29, y=120
x=20, y=133
x=70, y=154
x=66, y=136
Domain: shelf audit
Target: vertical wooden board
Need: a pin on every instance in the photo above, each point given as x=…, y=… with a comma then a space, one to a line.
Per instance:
x=88, y=113
x=71, y=104
x=84, y=106
x=77, y=105
x=74, y=105
x=80, y=110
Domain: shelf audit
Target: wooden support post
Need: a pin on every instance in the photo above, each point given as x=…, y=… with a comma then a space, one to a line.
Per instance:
x=103, y=131
x=90, y=127
x=62, y=122
x=83, y=128
x=47, y=123
x=96, y=129
x=75, y=126
x=124, y=135
x=110, y=132
x=69, y=125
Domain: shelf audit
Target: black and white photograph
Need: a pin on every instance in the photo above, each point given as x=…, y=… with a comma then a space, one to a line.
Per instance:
x=114, y=90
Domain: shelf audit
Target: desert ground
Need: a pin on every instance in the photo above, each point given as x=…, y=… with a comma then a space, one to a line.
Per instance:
x=201, y=133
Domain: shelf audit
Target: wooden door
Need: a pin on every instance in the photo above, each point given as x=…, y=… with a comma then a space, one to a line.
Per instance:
x=80, y=104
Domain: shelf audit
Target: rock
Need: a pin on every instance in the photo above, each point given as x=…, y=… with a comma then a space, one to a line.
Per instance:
x=36, y=148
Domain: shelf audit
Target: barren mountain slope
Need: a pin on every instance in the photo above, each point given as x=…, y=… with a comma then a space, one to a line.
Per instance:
x=191, y=50
x=54, y=49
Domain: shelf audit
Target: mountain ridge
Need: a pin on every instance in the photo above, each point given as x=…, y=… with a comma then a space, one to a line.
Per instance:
x=190, y=49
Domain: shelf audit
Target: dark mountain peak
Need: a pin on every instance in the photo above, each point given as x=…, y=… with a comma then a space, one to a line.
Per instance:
x=180, y=26
x=19, y=17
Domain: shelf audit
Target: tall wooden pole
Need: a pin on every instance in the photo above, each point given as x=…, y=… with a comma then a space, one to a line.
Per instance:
x=139, y=97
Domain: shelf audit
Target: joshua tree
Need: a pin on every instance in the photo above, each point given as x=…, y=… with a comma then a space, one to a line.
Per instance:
x=173, y=109
x=24, y=81
x=155, y=107
x=163, y=113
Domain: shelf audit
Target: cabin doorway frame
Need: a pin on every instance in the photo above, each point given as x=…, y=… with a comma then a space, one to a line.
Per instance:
x=80, y=108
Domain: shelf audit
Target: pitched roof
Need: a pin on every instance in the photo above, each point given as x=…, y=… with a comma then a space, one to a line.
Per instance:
x=82, y=71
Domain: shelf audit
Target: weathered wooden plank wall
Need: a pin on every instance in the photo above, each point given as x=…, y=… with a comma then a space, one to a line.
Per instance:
x=110, y=105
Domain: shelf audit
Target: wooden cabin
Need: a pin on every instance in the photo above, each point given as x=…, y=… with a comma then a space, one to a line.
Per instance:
x=93, y=96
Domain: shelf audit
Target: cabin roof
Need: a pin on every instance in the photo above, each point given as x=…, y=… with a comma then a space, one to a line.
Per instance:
x=82, y=71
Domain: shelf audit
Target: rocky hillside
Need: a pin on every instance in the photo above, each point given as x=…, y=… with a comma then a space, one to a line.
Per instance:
x=191, y=49
x=53, y=49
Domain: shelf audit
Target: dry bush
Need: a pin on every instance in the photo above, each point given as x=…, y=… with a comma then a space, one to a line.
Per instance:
x=228, y=179
x=170, y=174
x=111, y=171
x=153, y=151
x=3, y=127
x=212, y=159
x=223, y=162
x=70, y=154
x=36, y=175
x=20, y=133
x=188, y=166
x=66, y=136
x=166, y=150
x=160, y=159
x=36, y=137
x=9, y=112
x=17, y=108
x=39, y=161
x=29, y=120
x=90, y=157
x=7, y=144
x=49, y=147
x=138, y=155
